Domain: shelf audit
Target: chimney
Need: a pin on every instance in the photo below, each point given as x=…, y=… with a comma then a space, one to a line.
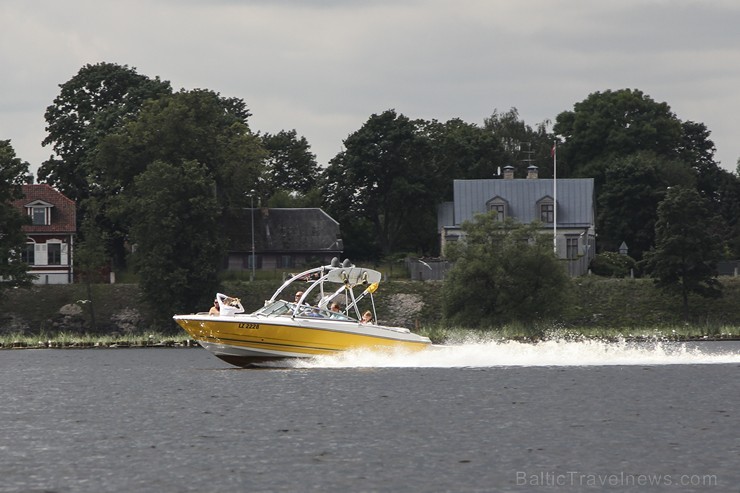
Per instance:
x=532, y=172
x=508, y=172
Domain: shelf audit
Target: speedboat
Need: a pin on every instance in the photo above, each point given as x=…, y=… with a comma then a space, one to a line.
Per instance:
x=302, y=326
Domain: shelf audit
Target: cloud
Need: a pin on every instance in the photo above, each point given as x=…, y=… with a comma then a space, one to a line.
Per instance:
x=323, y=67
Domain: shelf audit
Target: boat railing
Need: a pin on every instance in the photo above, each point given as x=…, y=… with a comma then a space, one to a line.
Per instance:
x=346, y=275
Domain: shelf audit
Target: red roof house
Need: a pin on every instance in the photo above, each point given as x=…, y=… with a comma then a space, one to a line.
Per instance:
x=50, y=236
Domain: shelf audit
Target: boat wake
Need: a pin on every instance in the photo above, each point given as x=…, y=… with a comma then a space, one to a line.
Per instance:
x=548, y=353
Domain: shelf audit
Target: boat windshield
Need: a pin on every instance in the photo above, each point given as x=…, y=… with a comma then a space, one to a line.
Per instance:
x=315, y=312
x=275, y=308
x=281, y=307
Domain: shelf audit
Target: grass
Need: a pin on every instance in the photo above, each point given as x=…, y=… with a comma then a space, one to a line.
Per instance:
x=74, y=340
x=455, y=335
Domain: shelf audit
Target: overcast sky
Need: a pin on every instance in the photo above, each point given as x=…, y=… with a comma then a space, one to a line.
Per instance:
x=322, y=67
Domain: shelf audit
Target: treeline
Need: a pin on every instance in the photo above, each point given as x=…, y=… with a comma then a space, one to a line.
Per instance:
x=164, y=171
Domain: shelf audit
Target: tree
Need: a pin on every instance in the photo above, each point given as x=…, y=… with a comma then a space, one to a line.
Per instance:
x=464, y=150
x=284, y=199
x=612, y=264
x=727, y=205
x=196, y=126
x=178, y=251
x=523, y=145
x=13, y=173
x=721, y=188
x=97, y=100
x=503, y=272
x=611, y=128
x=90, y=260
x=614, y=123
x=290, y=166
x=687, y=247
x=627, y=204
x=380, y=179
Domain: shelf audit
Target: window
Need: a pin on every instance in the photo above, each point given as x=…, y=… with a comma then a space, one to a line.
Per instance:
x=500, y=211
x=54, y=252
x=545, y=210
x=547, y=213
x=571, y=247
x=39, y=216
x=28, y=254
x=285, y=261
x=248, y=262
x=498, y=205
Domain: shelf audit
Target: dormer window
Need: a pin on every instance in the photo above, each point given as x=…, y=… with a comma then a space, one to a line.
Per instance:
x=500, y=206
x=40, y=212
x=546, y=210
x=39, y=216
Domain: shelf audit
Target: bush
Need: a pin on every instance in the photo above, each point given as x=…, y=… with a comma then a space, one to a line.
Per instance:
x=612, y=264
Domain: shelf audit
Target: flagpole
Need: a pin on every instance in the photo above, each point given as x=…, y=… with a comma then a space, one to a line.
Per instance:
x=555, y=198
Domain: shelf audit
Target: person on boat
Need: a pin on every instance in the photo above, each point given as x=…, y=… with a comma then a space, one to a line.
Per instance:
x=335, y=307
x=298, y=296
x=214, y=309
x=314, y=312
x=367, y=317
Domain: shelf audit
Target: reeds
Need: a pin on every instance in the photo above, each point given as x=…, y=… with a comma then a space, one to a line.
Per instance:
x=74, y=340
x=541, y=332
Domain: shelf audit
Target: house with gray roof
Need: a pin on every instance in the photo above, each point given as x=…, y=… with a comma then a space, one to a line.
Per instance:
x=284, y=238
x=571, y=204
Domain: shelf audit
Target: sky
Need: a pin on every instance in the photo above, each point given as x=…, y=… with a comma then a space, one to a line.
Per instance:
x=323, y=67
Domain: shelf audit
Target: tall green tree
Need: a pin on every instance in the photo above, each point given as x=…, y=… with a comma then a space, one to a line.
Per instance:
x=380, y=182
x=459, y=150
x=719, y=187
x=504, y=272
x=614, y=123
x=523, y=145
x=97, y=100
x=687, y=247
x=290, y=165
x=91, y=260
x=178, y=250
x=13, y=173
x=613, y=127
x=196, y=125
x=627, y=204
x=726, y=203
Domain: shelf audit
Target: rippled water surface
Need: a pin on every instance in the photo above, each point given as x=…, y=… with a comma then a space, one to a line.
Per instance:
x=469, y=418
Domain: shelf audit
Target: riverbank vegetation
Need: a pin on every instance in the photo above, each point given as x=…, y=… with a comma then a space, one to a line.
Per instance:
x=85, y=340
x=595, y=307
x=439, y=334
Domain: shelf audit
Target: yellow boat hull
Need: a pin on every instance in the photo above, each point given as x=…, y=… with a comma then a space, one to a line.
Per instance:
x=246, y=340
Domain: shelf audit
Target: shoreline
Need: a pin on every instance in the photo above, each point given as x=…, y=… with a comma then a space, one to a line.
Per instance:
x=191, y=343
x=187, y=343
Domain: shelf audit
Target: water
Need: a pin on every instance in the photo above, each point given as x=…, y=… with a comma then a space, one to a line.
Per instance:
x=556, y=416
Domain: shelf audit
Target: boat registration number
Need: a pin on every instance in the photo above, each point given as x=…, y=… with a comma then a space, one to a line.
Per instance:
x=249, y=326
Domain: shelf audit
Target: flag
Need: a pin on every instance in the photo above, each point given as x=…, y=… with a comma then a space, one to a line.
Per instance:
x=554, y=149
